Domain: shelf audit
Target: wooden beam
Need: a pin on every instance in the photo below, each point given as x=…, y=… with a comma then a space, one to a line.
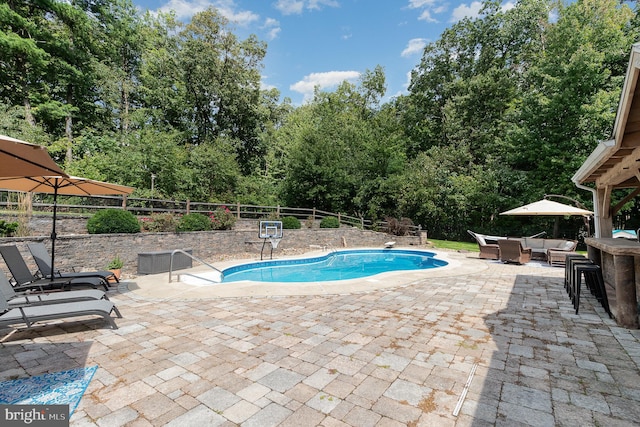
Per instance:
x=617, y=207
x=606, y=202
x=623, y=170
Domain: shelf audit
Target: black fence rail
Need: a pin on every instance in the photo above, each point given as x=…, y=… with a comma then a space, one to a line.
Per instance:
x=143, y=206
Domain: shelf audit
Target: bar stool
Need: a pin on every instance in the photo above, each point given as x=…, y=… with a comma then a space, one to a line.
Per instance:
x=569, y=273
x=595, y=283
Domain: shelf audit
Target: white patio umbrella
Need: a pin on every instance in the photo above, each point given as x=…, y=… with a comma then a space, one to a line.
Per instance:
x=547, y=208
x=19, y=158
x=66, y=185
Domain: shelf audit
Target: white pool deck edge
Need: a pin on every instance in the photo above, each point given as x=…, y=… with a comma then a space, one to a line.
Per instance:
x=157, y=286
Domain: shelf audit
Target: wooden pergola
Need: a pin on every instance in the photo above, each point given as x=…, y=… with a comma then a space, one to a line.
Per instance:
x=615, y=163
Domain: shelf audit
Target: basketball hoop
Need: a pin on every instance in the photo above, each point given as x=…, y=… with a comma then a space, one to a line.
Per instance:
x=271, y=230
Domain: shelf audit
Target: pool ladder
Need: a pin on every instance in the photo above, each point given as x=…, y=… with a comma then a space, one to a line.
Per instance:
x=195, y=259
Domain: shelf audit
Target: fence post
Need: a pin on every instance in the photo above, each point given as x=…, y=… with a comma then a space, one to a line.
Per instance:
x=313, y=215
x=238, y=210
x=278, y=211
x=339, y=218
x=188, y=206
x=124, y=202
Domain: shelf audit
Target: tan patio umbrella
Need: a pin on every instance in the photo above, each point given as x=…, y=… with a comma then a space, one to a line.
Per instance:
x=547, y=208
x=67, y=185
x=19, y=158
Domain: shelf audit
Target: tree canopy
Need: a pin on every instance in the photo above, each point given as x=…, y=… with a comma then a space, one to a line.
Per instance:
x=501, y=110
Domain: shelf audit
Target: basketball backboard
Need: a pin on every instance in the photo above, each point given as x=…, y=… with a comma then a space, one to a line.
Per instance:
x=270, y=230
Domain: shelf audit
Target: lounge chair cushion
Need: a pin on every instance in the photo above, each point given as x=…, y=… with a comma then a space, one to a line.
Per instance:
x=38, y=313
x=15, y=299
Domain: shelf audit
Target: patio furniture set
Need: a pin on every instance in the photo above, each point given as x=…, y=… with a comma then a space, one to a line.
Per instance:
x=29, y=298
x=521, y=250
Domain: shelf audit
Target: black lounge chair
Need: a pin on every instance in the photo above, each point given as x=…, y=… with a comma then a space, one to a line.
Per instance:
x=43, y=261
x=25, y=280
x=15, y=299
x=38, y=313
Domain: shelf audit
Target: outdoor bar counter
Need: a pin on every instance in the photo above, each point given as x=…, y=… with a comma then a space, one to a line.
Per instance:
x=619, y=260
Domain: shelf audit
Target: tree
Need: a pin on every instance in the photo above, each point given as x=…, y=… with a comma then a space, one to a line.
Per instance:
x=222, y=81
x=342, y=151
x=571, y=93
x=24, y=61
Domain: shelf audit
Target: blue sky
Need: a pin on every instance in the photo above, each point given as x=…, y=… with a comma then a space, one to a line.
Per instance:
x=323, y=42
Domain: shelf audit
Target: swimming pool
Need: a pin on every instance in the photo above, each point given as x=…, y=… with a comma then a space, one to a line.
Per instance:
x=338, y=265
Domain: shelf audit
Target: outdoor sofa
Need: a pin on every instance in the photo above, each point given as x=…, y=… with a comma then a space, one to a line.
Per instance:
x=540, y=247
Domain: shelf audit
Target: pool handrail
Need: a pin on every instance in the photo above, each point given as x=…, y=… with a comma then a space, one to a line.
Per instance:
x=195, y=258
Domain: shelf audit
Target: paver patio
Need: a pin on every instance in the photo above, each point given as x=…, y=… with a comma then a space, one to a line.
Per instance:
x=396, y=356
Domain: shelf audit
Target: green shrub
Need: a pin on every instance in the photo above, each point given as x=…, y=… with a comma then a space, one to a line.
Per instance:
x=194, y=222
x=329, y=222
x=291, y=223
x=159, y=222
x=7, y=229
x=222, y=219
x=113, y=221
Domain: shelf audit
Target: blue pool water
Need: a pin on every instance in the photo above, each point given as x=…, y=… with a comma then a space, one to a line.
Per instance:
x=340, y=265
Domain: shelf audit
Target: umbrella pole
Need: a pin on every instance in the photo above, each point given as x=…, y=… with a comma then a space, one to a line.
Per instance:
x=53, y=231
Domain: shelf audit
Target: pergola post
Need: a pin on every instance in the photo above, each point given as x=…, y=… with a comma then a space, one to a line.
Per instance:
x=605, y=219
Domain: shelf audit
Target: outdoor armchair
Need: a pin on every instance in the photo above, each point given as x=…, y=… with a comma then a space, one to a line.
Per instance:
x=487, y=244
x=511, y=250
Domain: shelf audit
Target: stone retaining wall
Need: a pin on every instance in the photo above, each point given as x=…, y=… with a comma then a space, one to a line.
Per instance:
x=94, y=251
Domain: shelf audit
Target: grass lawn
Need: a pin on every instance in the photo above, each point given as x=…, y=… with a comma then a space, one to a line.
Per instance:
x=447, y=244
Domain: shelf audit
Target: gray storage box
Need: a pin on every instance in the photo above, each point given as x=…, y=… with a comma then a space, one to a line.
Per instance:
x=159, y=261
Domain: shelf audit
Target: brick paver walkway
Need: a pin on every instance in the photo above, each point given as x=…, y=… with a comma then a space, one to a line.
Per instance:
x=497, y=347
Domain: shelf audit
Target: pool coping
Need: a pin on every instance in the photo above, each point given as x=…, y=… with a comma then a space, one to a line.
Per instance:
x=157, y=286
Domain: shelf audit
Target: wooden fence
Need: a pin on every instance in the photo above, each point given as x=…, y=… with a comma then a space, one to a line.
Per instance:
x=142, y=206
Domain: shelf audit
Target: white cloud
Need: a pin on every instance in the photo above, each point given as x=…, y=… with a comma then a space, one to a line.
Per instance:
x=428, y=8
x=243, y=18
x=426, y=16
x=272, y=26
x=464, y=11
x=273, y=33
x=508, y=6
x=185, y=9
x=417, y=4
x=326, y=80
x=346, y=33
x=406, y=84
x=296, y=7
x=290, y=7
x=413, y=47
x=264, y=85
x=317, y=4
